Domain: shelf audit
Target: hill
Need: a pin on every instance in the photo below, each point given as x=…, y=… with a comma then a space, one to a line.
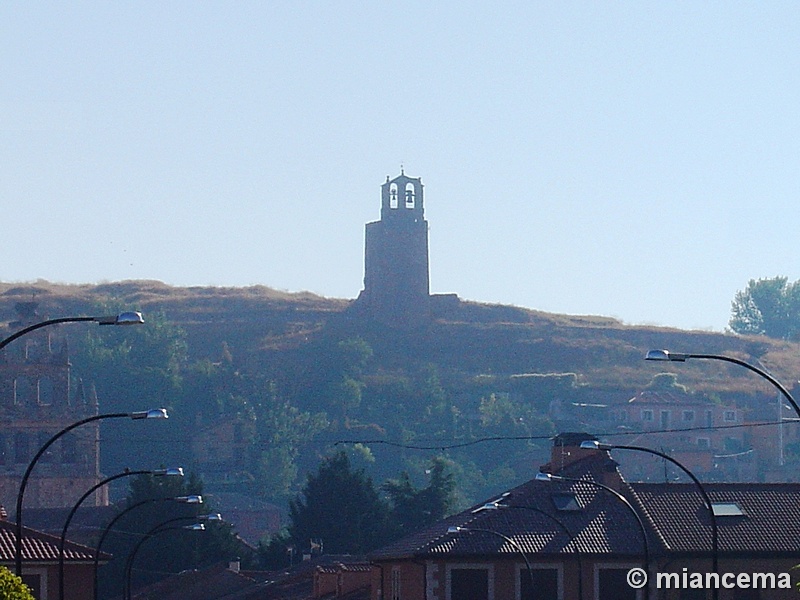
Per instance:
x=305, y=374
x=468, y=337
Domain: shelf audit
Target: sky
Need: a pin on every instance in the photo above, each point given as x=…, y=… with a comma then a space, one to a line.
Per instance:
x=636, y=160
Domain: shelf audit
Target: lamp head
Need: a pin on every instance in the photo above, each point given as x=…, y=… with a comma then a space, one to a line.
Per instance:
x=590, y=445
x=172, y=472
x=211, y=517
x=665, y=356
x=189, y=499
x=125, y=318
x=455, y=529
x=153, y=413
x=195, y=527
x=544, y=477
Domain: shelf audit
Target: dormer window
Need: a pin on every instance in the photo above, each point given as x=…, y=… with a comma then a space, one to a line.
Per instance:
x=566, y=501
x=727, y=509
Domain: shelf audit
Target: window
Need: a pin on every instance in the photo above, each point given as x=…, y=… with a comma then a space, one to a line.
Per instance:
x=21, y=447
x=647, y=415
x=35, y=583
x=703, y=443
x=24, y=391
x=727, y=509
x=545, y=583
x=395, y=583
x=729, y=416
x=45, y=391
x=41, y=439
x=688, y=416
x=613, y=585
x=468, y=583
x=69, y=449
x=664, y=419
x=566, y=501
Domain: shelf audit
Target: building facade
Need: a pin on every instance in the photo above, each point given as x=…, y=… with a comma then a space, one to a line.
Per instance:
x=36, y=402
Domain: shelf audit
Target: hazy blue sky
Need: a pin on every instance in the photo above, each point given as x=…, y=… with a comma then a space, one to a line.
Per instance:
x=629, y=159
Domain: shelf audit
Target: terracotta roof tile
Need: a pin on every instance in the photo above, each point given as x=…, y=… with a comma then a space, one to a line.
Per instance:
x=38, y=546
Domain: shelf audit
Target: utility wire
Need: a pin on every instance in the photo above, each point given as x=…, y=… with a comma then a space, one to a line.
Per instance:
x=499, y=438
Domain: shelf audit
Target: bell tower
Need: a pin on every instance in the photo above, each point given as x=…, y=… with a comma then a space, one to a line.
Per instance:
x=396, y=278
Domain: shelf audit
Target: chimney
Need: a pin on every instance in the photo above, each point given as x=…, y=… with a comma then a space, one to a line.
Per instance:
x=235, y=565
x=567, y=450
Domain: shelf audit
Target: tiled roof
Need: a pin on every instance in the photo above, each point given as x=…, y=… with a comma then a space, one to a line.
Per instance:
x=665, y=397
x=215, y=582
x=771, y=520
x=674, y=516
x=38, y=546
x=528, y=516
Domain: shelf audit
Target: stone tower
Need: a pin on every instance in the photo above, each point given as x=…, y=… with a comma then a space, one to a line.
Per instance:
x=35, y=404
x=396, y=282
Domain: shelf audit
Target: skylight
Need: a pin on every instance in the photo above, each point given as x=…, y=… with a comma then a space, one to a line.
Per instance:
x=566, y=501
x=727, y=509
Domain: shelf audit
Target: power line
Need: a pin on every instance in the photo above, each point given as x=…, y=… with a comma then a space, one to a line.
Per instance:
x=548, y=437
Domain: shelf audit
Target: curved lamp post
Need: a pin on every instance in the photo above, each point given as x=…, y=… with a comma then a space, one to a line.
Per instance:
x=125, y=318
x=496, y=506
x=667, y=356
x=156, y=413
x=176, y=472
x=517, y=547
x=549, y=477
x=180, y=499
x=595, y=445
x=158, y=529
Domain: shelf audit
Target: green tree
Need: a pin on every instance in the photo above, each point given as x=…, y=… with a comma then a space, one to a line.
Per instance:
x=769, y=307
x=174, y=549
x=414, y=508
x=12, y=588
x=339, y=506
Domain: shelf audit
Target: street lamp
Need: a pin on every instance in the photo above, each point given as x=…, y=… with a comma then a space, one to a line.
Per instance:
x=667, y=356
x=549, y=477
x=517, y=547
x=157, y=413
x=595, y=445
x=158, y=529
x=125, y=318
x=193, y=499
x=174, y=472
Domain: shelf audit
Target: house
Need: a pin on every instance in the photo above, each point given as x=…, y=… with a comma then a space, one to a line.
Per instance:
x=578, y=538
x=707, y=437
x=40, y=558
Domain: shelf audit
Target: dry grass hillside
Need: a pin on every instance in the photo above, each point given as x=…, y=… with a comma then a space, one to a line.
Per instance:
x=469, y=338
